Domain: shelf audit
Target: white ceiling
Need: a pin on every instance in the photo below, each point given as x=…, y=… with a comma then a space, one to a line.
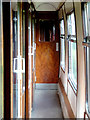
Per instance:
x=41, y=6
x=46, y=6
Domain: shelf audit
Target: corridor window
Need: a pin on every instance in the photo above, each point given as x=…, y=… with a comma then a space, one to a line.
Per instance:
x=88, y=78
x=72, y=68
x=86, y=43
x=62, y=38
x=86, y=19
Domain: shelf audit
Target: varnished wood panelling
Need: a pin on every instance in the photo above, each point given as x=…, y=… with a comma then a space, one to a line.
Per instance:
x=66, y=107
x=46, y=15
x=47, y=63
x=47, y=60
x=23, y=105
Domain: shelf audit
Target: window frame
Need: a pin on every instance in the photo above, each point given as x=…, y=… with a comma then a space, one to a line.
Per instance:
x=73, y=85
x=86, y=45
x=62, y=36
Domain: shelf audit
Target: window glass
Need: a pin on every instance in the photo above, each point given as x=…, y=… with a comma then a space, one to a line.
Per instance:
x=47, y=31
x=72, y=63
x=23, y=47
x=18, y=56
x=86, y=19
x=88, y=77
x=63, y=53
x=86, y=23
x=72, y=68
x=15, y=76
x=71, y=24
x=62, y=27
x=62, y=38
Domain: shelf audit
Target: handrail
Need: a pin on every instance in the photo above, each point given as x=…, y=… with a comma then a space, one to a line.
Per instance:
x=62, y=37
x=70, y=38
x=87, y=44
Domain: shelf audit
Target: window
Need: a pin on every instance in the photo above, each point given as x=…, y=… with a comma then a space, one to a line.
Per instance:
x=47, y=31
x=72, y=68
x=62, y=38
x=86, y=19
x=88, y=77
x=86, y=42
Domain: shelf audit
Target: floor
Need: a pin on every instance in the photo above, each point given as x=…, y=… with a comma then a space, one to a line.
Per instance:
x=46, y=104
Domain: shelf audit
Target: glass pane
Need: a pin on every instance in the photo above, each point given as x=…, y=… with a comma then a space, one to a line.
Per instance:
x=23, y=47
x=15, y=76
x=18, y=62
x=62, y=44
x=63, y=53
x=1, y=65
x=62, y=27
x=87, y=19
x=73, y=63
x=71, y=24
x=47, y=30
x=88, y=77
x=23, y=56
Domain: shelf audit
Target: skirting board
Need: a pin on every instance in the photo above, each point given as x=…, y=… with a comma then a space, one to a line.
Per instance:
x=63, y=106
x=43, y=86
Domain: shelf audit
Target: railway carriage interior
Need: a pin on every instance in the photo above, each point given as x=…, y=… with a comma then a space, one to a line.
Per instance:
x=44, y=59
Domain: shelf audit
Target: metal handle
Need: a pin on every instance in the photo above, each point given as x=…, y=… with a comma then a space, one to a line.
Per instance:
x=19, y=61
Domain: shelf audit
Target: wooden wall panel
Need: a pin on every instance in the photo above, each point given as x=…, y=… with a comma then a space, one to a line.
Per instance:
x=47, y=60
x=23, y=105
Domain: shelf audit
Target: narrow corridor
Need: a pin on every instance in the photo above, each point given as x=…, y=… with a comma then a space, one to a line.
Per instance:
x=46, y=104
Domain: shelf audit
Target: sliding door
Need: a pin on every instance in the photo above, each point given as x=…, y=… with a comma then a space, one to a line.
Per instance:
x=18, y=60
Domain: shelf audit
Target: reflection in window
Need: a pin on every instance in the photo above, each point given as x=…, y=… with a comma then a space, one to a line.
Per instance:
x=72, y=51
x=86, y=19
x=23, y=47
x=71, y=24
x=62, y=38
x=72, y=62
x=15, y=76
x=86, y=23
x=62, y=27
x=47, y=31
x=88, y=76
x=18, y=63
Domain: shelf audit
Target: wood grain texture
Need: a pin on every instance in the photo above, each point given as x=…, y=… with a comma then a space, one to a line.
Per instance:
x=50, y=15
x=65, y=102
x=23, y=105
x=47, y=59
